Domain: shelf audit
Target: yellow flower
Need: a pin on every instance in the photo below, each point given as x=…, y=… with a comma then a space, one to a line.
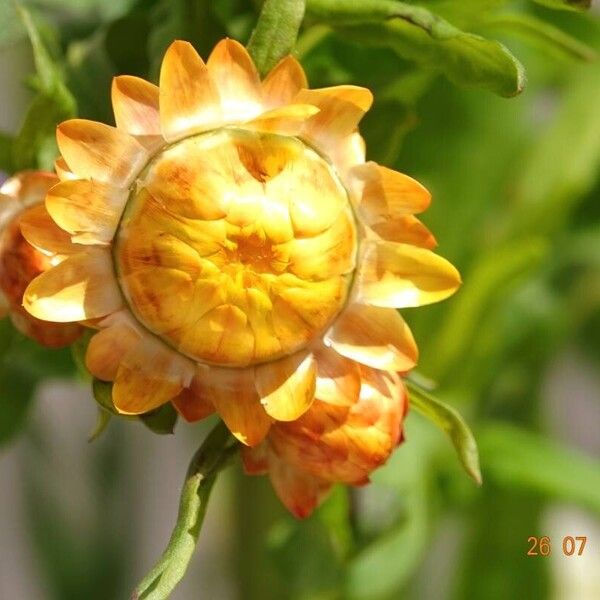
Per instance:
x=22, y=206
x=350, y=429
x=234, y=243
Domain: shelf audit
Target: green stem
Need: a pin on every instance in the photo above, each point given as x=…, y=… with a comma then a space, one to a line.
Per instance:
x=212, y=456
x=275, y=33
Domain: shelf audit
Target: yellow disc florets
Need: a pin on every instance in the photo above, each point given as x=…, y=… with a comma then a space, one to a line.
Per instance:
x=229, y=225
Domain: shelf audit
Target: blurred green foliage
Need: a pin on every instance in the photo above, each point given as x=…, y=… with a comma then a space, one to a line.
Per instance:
x=516, y=195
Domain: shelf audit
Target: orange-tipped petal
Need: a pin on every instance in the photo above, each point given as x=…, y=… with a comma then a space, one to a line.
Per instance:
x=283, y=82
x=82, y=287
x=299, y=491
x=90, y=211
x=43, y=233
x=256, y=460
x=135, y=104
x=50, y=335
x=285, y=120
x=28, y=187
x=149, y=375
x=189, y=100
x=287, y=386
x=377, y=337
x=233, y=393
x=399, y=275
x=406, y=229
x=341, y=109
x=100, y=152
x=62, y=169
x=107, y=348
x=385, y=193
x=192, y=404
x=338, y=378
x=237, y=80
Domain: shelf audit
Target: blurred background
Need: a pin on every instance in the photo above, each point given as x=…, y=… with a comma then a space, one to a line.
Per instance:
x=516, y=207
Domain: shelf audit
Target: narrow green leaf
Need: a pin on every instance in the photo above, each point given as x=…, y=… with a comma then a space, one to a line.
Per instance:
x=6, y=152
x=276, y=32
x=102, y=391
x=448, y=420
x=161, y=420
x=517, y=459
x=102, y=422
x=575, y=5
x=542, y=34
x=421, y=36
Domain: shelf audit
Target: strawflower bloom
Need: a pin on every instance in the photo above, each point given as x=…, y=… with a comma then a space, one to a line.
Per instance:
x=348, y=431
x=22, y=206
x=235, y=250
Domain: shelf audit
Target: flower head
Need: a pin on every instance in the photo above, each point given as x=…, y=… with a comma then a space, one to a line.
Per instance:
x=235, y=249
x=22, y=208
x=348, y=432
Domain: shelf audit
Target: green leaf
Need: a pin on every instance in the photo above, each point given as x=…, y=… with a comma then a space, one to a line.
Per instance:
x=276, y=32
x=517, y=459
x=78, y=352
x=421, y=36
x=102, y=391
x=162, y=420
x=6, y=152
x=574, y=5
x=34, y=146
x=542, y=34
x=448, y=420
x=102, y=422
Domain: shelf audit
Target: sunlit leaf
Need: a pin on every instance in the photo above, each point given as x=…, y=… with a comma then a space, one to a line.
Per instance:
x=421, y=36
x=576, y=5
x=276, y=31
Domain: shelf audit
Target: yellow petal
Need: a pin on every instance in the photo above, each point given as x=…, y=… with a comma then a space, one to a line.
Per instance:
x=399, y=276
x=28, y=187
x=107, y=348
x=135, y=104
x=43, y=233
x=82, y=287
x=87, y=209
x=285, y=120
x=385, y=193
x=100, y=152
x=192, y=404
x=287, y=386
x=299, y=491
x=377, y=337
x=237, y=80
x=189, y=101
x=149, y=375
x=338, y=378
x=283, y=82
x=341, y=109
x=406, y=229
x=235, y=398
x=62, y=169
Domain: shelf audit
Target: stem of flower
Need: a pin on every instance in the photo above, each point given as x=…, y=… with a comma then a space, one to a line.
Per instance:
x=212, y=456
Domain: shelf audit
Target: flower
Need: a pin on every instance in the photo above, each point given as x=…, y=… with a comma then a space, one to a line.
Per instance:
x=235, y=249
x=341, y=438
x=22, y=206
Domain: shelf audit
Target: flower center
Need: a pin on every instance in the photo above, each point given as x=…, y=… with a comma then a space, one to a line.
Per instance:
x=237, y=247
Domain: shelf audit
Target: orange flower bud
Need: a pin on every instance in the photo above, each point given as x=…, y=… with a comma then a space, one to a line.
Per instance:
x=332, y=443
x=21, y=204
